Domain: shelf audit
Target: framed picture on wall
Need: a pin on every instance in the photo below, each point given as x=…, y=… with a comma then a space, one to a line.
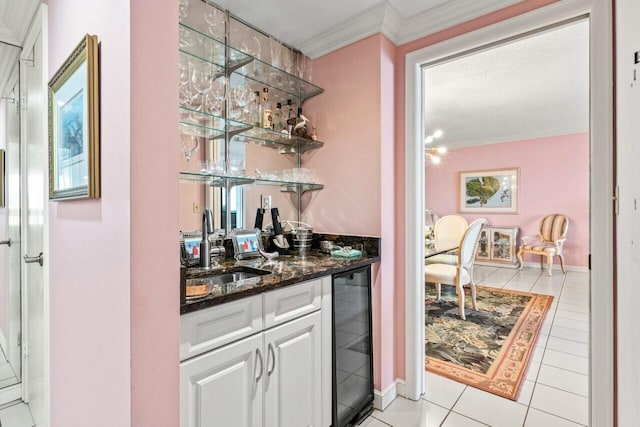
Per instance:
x=490, y=191
x=74, y=129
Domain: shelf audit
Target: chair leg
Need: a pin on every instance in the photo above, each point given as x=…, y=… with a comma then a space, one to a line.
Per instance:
x=564, y=271
x=549, y=263
x=520, y=261
x=473, y=295
x=438, y=289
x=541, y=262
x=461, y=302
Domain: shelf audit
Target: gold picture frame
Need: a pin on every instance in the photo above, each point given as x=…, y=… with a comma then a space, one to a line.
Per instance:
x=2, y=179
x=74, y=125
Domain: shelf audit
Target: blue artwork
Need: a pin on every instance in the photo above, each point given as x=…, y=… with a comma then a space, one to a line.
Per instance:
x=72, y=129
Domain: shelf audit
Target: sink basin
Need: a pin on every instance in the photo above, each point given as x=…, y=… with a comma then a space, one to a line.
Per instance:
x=220, y=281
x=235, y=275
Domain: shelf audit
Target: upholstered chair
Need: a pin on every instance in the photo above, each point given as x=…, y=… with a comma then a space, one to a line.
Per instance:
x=460, y=274
x=447, y=233
x=548, y=243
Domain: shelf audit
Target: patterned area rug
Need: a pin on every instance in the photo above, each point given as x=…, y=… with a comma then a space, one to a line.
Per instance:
x=491, y=349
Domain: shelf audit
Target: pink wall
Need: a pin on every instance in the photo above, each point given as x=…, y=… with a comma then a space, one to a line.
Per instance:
x=548, y=183
x=91, y=286
x=114, y=301
x=155, y=277
x=441, y=36
x=347, y=116
x=354, y=117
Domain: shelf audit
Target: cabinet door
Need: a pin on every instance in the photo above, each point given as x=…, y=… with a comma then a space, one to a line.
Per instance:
x=293, y=381
x=224, y=387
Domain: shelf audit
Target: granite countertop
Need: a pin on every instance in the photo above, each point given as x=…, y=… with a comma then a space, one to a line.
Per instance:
x=284, y=271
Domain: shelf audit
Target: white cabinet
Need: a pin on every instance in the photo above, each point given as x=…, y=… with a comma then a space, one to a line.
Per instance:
x=498, y=245
x=276, y=377
x=293, y=383
x=224, y=387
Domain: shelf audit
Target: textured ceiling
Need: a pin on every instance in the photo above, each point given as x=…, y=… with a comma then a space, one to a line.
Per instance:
x=532, y=87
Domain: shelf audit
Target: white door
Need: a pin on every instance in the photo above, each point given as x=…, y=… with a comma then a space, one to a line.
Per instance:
x=35, y=194
x=293, y=382
x=224, y=387
x=10, y=245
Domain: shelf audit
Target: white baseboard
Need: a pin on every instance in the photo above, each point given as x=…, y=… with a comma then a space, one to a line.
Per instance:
x=382, y=399
x=556, y=267
x=400, y=388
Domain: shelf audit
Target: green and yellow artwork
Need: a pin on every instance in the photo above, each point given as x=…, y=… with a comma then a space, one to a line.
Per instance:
x=490, y=191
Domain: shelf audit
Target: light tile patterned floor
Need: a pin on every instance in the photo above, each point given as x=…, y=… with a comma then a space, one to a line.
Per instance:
x=555, y=391
x=17, y=415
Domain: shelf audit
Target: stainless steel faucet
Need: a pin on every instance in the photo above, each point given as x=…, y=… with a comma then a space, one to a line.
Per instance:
x=205, y=245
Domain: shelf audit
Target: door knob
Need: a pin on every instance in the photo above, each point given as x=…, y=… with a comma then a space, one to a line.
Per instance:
x=31, y=259
x=5, y=242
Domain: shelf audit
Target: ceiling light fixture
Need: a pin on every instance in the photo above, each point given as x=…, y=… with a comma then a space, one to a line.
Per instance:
x=430, y=138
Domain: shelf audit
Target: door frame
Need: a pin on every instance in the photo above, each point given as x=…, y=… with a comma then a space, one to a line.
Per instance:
x=37, y=29
x=602, y=344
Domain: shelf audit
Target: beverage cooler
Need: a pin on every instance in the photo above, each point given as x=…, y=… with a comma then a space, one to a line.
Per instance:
x=352, y=347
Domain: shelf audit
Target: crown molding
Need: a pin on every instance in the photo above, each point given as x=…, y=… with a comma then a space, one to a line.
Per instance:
x=446, y=16
x=570, y=130
x=384, y=18
x=364, y=25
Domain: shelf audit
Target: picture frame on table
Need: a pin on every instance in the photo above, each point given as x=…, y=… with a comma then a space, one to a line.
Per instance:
x=489, y=191
x=74, y=125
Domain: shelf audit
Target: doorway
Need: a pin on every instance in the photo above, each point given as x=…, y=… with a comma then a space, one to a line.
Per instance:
x=23, y=222
x=601, y=344
x=515, y=114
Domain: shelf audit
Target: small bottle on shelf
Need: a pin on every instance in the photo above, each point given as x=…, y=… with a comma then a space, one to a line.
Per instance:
x=256, y=114
x=301, y=128
x=291, y=117
x=267, y=117
x=278, y=118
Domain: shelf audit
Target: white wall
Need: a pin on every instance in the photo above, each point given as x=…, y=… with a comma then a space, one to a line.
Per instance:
x=628, y=111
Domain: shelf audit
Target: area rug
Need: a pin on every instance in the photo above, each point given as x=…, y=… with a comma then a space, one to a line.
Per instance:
x=491, y=349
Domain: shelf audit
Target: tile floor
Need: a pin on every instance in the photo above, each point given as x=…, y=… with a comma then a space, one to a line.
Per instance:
x=555, y=391
x=17, y=415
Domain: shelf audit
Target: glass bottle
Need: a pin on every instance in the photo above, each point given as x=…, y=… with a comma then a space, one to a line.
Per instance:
x=267, y=117
x=291, y=117
x=278, y=118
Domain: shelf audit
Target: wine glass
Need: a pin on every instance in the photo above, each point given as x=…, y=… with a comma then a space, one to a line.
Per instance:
x=217, y=95
x=202, y=79
x=183, y=9
x=301, y=64
x=215, y=21
x=276, y=52
x=189, y=144
x=288, y=61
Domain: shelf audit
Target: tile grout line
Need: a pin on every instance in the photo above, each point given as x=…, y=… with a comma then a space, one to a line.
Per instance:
x=535, y=382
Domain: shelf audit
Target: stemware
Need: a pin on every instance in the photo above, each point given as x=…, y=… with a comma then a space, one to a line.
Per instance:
x=217, y=95
x=301, y=64
x=183, y=9
x=202, y=79
x=189, y=144
x=276, y=52
x=216, y=22
x=288, y=60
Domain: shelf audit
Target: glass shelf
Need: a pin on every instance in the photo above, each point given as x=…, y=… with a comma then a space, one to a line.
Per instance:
x=219, y=180
x=206, y=48
x=211, y=126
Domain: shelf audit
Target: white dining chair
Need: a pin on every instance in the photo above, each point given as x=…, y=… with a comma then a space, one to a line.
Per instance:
x=448, y=231
x=462, y=273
